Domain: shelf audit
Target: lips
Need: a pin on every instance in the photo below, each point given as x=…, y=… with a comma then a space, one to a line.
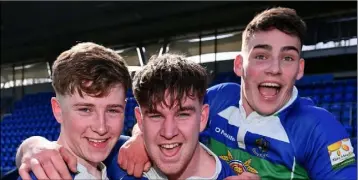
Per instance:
x=170, y=149
x=269, y=89
x=98, y=143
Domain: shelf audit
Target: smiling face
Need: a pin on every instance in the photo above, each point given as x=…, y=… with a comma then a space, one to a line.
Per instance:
x=90, y=126
x=269, y=66
x=171, y=135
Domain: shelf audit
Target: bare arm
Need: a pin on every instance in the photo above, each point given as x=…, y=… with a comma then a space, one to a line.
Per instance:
x=46, y=159
x=133, y=156
x=31, y=145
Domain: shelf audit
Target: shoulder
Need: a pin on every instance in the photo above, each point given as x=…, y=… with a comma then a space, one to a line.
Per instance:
x=315, y=123
x=232, y=88
x=312, y=115
x=222, y=95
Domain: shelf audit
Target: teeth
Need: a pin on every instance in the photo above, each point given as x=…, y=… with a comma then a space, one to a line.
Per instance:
x=96, y=140
x=271, y=85
x=169, y=146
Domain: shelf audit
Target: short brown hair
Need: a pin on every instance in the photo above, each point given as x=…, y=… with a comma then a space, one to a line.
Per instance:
x=89, y=68
x=283, y=19
x=170, y=73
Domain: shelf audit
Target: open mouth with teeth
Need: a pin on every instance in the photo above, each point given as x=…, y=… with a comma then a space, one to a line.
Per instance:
x=269, y=90
x=170, y=150
x=98, y=143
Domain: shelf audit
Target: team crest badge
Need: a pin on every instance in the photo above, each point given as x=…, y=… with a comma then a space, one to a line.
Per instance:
x=238, y=166
x=262, y=147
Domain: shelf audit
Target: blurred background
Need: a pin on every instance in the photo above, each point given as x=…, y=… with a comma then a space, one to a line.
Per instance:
x=33, y=34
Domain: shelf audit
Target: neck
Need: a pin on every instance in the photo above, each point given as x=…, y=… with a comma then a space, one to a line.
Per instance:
x=195, y=166
x=245, y=104
x=90, y=166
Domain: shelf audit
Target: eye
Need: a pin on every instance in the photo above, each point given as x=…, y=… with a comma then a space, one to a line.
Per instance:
x=114, y=111
x=288, y=58
x=154, y=116
x=84, y=109
x=183, y=115
x=260, y=57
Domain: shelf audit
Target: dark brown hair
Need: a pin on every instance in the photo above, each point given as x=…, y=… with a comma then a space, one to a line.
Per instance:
x=173, y=74
x=283, y=19
x=89, y=68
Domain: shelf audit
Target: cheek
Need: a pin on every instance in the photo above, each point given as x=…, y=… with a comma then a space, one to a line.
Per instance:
x=290, y=74
x=151, y=129
x=116, y=125
x=253, y=70
x=190, y=127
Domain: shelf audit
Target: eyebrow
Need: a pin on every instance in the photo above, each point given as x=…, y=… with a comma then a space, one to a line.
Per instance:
x=288, y=48
x=83, y=104
x=263, y=46
x=187, y=108
x=269, y=47
x=92, y=105
x=115, y=106
x=183, y=108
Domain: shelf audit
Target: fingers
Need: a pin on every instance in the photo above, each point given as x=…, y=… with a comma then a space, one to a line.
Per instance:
x=125, y=165
x=147, y=166
x=37, y=169
x=69, y=158
x=50, y=169
x=24, y=171
x=250, y=176
x=138, y=170
x=120, y=159
x=60, y=166
x=130, y=167
x=244, y=176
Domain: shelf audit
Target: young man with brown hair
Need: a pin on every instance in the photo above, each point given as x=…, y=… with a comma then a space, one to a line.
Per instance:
x=170, y=92
x=263, y=126
x=90, y=82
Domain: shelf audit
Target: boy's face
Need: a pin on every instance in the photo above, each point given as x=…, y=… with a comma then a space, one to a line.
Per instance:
x=171, y=136
x=90, y=126
x=269, y=67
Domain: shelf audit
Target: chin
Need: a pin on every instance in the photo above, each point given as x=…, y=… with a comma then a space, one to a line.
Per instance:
x=96, y=159
x=266, y=112
x=169, y=169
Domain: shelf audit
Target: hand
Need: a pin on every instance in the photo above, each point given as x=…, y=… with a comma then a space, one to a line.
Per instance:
x=48, y=162
x=244, y=176
x=133, y=157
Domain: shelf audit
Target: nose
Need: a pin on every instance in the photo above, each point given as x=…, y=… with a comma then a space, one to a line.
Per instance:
x=274, y=67
x=100, y=125
x=169, y=128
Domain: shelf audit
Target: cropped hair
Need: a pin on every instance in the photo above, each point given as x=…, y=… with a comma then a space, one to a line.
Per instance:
x=170, y=75
x=283, y=19
x=89, y=68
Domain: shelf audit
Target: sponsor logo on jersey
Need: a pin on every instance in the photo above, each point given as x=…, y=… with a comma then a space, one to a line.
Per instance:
x=262, y=147
x=226, y=135
x=341, y=153
x=238, y=166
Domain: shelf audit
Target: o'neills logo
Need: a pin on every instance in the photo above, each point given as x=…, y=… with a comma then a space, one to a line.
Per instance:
x=222, y=132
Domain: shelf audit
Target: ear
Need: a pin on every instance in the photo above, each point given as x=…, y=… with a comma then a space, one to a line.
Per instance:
x=238, y=62
x=56, y=109
x=204, y=117
x=139, y=117
x=301, y=69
